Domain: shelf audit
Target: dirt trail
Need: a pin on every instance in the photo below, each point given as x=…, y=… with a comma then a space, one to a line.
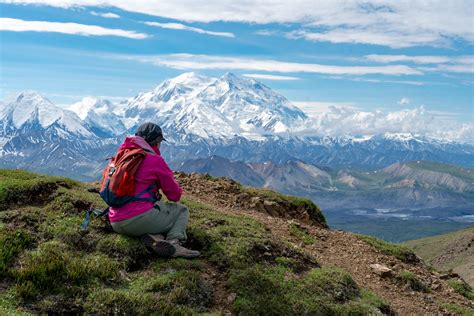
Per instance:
x=340, y=249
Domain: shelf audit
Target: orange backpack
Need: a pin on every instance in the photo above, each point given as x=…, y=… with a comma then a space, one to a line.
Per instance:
x=118, y=179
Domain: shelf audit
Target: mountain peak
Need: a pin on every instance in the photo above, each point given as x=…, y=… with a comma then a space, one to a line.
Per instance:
x=230, y=75
x=32, y=97
x=30, y=107
x=232, y=79
x=188, y=78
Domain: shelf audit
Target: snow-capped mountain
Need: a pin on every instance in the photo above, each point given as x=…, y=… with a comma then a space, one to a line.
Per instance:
x=232, y=117
x=214, y=108
x=99, y=115
x=35, y=134
x=31, y=109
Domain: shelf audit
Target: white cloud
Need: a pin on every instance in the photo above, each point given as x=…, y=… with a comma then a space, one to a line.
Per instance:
x=270, y=77
x=414, y=59
x=459, y=68
x=366, y=36
x=189, y=61
x=459, y=64
x=404, y=101
x=381, y=22
x=15, y=25
x=408, y=82
x=107, y=15
x=313, y=108
x=337, y=121
x=179, y=26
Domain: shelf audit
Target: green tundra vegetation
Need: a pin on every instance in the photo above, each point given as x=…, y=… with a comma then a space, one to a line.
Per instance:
x=47, y=265
x=399, y=251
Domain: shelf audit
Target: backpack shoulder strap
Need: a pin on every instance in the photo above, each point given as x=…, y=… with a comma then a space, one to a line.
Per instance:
x=149, y=189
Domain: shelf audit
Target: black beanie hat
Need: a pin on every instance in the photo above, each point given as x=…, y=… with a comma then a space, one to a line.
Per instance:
x=150, y=132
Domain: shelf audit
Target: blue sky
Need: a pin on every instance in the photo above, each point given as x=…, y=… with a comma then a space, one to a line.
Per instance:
x=386, y=56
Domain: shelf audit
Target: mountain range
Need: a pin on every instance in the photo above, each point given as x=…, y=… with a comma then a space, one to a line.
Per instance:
x=414, y=185
x=232, y=117
x=399, y=202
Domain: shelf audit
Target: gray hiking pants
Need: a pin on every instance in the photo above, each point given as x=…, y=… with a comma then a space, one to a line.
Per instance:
x=166, y=218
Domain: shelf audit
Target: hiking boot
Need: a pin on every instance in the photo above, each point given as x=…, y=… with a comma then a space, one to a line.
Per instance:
x=182, y=252
x=159, y=245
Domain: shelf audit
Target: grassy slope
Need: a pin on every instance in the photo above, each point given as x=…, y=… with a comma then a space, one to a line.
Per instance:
x=48, y=266
x=433, y=248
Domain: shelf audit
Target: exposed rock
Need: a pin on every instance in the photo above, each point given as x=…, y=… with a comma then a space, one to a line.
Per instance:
x=381, y=270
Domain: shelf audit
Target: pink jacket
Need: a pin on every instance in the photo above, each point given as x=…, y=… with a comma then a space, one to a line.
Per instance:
x=153, y=169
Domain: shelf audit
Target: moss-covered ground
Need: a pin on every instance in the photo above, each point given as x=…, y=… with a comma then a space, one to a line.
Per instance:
x=47, y=265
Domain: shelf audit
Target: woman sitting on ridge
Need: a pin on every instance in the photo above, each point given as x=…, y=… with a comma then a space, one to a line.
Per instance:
x=162, y=225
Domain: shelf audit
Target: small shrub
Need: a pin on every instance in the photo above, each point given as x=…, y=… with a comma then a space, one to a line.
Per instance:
x=129, y=250
x=120, y=302
x=26, y=290
x=263, y=290
x=9, y=304
x=458, y=309
x=60, y=226
x=371, y=299
x=462, y=288
x=333, y=283
x=187, y=288
x=172, y=293
x=411, y=279
x=12, y=243
x=301, y=234
x=51, y=267
x=401, y=252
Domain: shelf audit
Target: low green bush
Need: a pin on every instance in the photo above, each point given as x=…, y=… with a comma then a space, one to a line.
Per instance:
x=52, y=268
x=301, y=234
x=399, y=251
x=170, y=293
x=459, y=310
x=263, y=290
x=462, y=288
x=413, y=281
x=12, y=243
